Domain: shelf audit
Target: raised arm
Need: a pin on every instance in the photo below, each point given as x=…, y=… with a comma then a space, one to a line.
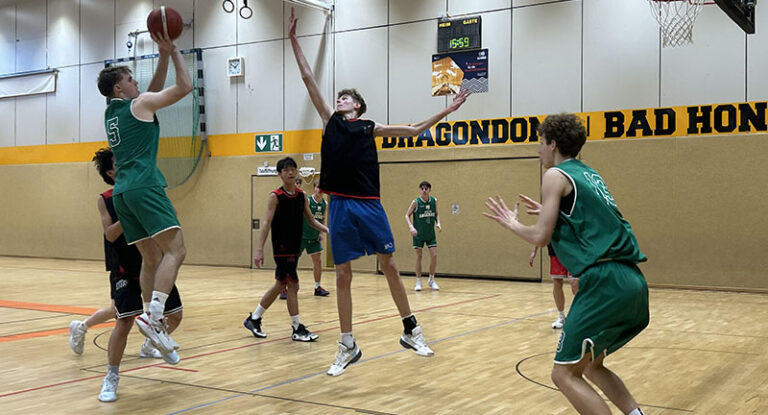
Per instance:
x=112, y=230
x=307, y=76
x=150, y=102
x=383, y=130
x=258, y=260
x=408, y=214
x=158, y=79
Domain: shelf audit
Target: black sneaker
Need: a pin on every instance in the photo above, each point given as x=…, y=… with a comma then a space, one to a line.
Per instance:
x=301, y=334
x=254, y=326
x=321, y=292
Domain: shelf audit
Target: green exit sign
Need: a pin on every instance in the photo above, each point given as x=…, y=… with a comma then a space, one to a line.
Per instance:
x=267, y=143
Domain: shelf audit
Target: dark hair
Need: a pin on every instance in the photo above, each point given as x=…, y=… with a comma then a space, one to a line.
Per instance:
x=567, y=131
x=286, y=162
x=104, y=162
x=355, y=97
x=109, y=77
x=425, y=183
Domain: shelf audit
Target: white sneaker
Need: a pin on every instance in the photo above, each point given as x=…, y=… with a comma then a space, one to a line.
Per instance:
x=171, y=358
x=432, y=284
x=344, y=358
x=77, y=330
x=109, y=388
x=558, y=324
x=416, y=342
x=155, y=331
x=149, y=351
x=418, y=285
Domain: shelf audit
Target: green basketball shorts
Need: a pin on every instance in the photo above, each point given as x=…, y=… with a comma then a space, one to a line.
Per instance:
x=419, y=242
x=145, y=213
x=610, y=309
x=312, y=246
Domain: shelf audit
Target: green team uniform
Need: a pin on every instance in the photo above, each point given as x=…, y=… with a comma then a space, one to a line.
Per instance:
x=424, y=221
x=595, y=243
x=309, y=235
x=142, y=206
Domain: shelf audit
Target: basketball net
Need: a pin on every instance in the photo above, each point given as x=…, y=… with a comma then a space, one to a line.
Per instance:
x=676, y=18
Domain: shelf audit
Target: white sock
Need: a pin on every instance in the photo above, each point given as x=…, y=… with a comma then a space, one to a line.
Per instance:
x=113, y=369
x=146, y=307
x=258, y=312
x=317, y=285
x=562, y=313
x=85, y=325
x=431, y=277
x=347, y=340
x=295, y=321
x=157, y=306
x=636, y=411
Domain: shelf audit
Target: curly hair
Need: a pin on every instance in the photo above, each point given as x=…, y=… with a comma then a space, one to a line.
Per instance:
x=104, y=162
x=355, y=97
x=566, y=130
x=109, y=77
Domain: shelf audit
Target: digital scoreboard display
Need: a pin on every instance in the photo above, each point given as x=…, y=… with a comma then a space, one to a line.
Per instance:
x=458, y=34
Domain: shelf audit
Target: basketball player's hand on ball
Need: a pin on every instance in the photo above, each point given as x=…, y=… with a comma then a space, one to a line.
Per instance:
x=258, y=259
x=164, y=43
x=292, y=24
x=459, y=99
x=532, y=207
x=505, y=216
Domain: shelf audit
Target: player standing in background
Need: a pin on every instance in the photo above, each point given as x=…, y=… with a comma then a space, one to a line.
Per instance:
x=425, y=219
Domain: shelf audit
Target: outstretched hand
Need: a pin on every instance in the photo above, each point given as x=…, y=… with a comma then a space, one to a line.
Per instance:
x=532, y=207
x=459, y=99
x=505, y=216
x=164, y=43
x=292, y=24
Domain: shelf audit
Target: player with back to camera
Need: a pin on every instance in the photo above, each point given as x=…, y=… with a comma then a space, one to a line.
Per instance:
x=146, y=214
x=579, y=217
x=359, y=226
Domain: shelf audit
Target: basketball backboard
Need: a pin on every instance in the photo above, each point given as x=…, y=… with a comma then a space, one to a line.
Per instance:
x=740, y=11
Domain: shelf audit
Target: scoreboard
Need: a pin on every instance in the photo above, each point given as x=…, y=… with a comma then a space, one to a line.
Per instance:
x=458, y=34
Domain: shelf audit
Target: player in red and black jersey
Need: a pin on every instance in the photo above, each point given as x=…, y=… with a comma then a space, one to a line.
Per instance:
x=287, y=207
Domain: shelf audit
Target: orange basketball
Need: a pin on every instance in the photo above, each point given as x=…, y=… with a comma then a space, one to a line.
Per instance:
x=165, y=20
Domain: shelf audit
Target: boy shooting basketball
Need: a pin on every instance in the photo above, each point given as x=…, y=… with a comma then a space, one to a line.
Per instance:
x=147, y=216
x=579, y=217
x=350, y=174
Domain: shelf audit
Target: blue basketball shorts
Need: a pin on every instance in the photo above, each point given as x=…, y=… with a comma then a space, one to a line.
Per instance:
x=358, y=227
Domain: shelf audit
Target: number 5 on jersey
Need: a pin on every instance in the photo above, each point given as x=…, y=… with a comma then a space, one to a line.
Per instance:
x=113, y=132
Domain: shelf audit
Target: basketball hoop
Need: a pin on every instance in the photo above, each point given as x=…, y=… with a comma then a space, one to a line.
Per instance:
x=676, y=18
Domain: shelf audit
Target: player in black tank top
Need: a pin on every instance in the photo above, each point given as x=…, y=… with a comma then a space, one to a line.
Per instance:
x=287, y=207
x=350, y=171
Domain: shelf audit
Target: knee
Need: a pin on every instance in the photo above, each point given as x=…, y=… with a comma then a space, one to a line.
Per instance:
x=387, y=263
x=292, y=285
x=123, y=325
x=179, y=252
x=175, y=318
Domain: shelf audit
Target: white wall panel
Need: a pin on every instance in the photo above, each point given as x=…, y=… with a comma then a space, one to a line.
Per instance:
x=63, y=33
x=220, y=94
x=131, y=15
x=30, y=120
x=7, y=39
x=63, y=108
x=97, y=31
x=311, y=21
x=260, y=93
x=356, y=14
x=409, y=11
x=359, y=64
x=266, y=24
x=300, y=114
x=410, y=72
x=546, y=59
x=30, y=32
x=496, y=102
x=621, y=55
x=711, y=69
x=92, y=104
x=474, y=6
x=7, y=117
x=214, y=27
x=757, y=59
x=524, y=3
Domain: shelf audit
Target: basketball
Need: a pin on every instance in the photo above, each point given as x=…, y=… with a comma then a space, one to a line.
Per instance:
x=168, y=17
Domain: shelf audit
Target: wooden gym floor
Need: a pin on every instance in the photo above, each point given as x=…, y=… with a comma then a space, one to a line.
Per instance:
x=703, y=353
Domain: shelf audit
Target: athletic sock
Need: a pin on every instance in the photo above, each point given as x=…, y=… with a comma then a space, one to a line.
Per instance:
x=113, y=369
x=146, y=307
x=347, y=340
x=409, y=323
x=431, y=276
x=317, y=285
x=157, y=306
x=636, y=411
x=258, y=312
x=295, y=321
x=85, y=324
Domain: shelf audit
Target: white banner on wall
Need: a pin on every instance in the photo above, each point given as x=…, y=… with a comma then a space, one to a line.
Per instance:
x=28, y=84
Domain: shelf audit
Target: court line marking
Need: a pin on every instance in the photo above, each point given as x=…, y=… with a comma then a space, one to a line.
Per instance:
x=44, y=333
x=247, y=345
x=66, y=309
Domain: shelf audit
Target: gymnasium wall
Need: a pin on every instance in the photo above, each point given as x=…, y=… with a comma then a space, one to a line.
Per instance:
x=690, y=200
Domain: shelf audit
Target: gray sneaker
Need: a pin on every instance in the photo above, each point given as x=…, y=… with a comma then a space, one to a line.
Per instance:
x=148, y=350
x=416, y=341
x=344, y=358
x=109, y=387
x=77, y=330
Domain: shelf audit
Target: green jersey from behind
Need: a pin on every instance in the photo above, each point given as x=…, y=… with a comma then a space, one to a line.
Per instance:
x=318, y=212
x=134, y=145
x=592, y=230
x=424, y=217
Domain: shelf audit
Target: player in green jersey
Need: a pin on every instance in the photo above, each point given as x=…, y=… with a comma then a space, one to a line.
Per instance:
x=145, y=212
x=579, y=217
x=425, y=219
x=312, y=239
